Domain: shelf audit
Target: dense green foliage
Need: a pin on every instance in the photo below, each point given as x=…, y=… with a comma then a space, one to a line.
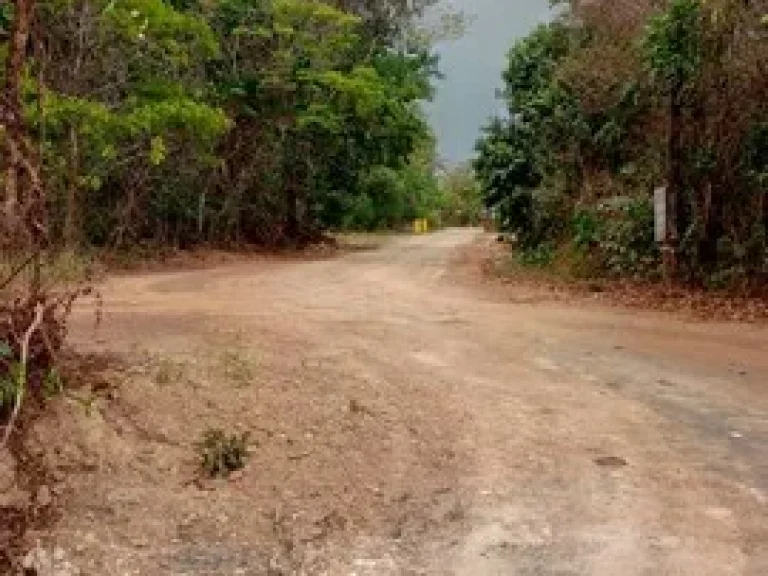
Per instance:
x=460, y=197
x=602, y=109
x=181, y=121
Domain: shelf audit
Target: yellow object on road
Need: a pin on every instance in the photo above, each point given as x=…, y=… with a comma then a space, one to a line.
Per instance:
x=420, y=226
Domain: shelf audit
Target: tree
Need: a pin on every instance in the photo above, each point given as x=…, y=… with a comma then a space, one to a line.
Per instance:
x=680, y=92
x=325, y=106
x=461, y=196
x=385, y=19
x=24, y=219
x=506, y=167
x=673, y=49
x=228, y=120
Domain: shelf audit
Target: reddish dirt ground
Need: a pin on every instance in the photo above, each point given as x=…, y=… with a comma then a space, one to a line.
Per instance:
x=405, y=419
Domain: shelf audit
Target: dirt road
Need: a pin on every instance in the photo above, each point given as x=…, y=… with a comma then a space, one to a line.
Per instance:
x=405, y=420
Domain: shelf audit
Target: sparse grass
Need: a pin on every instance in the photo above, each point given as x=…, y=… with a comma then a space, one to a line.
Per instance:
x=559, y=265
x=139, y=257
x=221, y=454
x=237, y=367
x=362, y=241
x=164, y=369
x=168, y=371
x=234, y=366
x=70, y=266
x=65, y=267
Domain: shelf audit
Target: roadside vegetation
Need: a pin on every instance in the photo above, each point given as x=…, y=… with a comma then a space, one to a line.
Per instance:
x=141, y=126
x=146, y=125
x=237, y=121
x=606, y=104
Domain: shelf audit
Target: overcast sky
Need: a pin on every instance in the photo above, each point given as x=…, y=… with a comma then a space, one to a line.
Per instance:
x=473, y=65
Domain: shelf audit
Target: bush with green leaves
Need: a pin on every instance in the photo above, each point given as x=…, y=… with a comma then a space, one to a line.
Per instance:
x=679, y=98
x=626, y=238
x=536, y=256
x=461, y=197
x=227, y=121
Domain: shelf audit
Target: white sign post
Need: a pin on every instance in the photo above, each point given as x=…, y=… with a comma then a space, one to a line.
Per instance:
x=660, y=213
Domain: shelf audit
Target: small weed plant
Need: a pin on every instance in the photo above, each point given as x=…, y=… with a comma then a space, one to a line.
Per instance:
x=221, y=454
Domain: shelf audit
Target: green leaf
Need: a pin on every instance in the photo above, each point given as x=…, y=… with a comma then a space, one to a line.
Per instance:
x=157, y=151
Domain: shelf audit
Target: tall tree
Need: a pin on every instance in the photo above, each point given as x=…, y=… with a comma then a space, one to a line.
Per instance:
x=24, y=210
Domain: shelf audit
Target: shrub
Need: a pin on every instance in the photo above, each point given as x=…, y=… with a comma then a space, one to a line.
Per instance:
x=221, y=454
x=541, y=255
x=626, y=239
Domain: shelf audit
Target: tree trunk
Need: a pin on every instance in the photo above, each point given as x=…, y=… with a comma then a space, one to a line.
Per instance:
x=674, y=179
x=12, y=110
x=201, y=217
x=292, y=213
x=24, y=218
x=70, y=217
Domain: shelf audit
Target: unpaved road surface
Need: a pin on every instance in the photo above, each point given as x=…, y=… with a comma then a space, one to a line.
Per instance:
x=405, y=420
